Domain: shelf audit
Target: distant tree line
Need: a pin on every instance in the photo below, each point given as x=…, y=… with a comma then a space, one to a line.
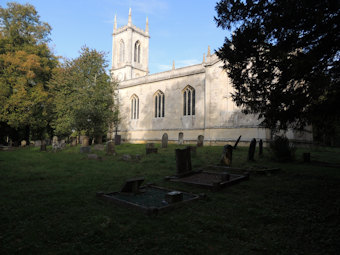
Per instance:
x=42, y=95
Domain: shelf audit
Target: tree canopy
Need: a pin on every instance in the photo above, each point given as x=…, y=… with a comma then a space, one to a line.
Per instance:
x=83, y=95
x=283, y=59
x=26, y=65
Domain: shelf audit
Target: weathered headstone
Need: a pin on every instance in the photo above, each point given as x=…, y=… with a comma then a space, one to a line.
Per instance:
x=260, y=147
x=110, y=148
x=86, y=141
x=200, y=140
x=37, y=143
x=183, y=161
x=251, y=150
x=23, y=143
x=73, y=141
x=237, y=141
x=99, y=147
x=180, y=138
x=118, y=139
x=227, y=155
x=150, y=148
x=62, y=144
x=165, y=140
x=85, y=149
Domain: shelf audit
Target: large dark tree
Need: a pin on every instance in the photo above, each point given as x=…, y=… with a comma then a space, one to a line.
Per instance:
x=283, y=59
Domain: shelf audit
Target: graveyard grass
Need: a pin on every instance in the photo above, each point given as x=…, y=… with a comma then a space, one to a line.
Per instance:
x=48, y=205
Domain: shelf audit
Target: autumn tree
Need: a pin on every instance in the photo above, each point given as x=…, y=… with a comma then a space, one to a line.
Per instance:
x=83, y=95
x=26, y=65
x=283, y=59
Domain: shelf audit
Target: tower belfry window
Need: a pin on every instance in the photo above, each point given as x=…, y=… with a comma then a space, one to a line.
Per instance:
x=159, y=104
x=189, y=101
x=137, y=52
x=121, y=51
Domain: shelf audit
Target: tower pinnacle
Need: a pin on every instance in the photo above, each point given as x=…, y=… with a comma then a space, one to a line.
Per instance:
x=115, y=24
x=130, y=20
x=147, y=25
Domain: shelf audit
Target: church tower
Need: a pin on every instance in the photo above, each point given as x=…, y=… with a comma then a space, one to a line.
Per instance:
x=130, y=51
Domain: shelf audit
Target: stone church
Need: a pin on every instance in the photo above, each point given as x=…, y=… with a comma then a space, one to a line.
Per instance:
x=183, y=102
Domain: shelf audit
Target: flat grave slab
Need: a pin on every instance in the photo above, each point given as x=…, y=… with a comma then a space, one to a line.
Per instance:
x=257, y=170
x=150, y=199
x=209, y=179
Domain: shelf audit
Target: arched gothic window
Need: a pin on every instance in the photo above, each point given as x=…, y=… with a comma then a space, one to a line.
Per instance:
x=137, y=52
x=188, y=101
x=159, y=104
x=134, y=107
x=121, y=51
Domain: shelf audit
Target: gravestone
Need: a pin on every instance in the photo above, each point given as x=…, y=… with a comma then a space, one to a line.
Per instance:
x=260, y=147
x=85, y=149
x=133, y=186
x=23, y=143
x=251, y=150
x=37, y=143
x=180, y=138
x=93, y=156
x=237, y=141
x=165, y=140
x=200, y=140
x=86, y=141
x=73, y=141
x=150, y=148
x=227, y=155
x=99, y=147
x=110, y=148
x=62, y=144
x=118, y=139
x=183, y=161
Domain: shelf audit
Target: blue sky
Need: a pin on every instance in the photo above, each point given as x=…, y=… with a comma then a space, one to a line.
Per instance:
x=180, y=30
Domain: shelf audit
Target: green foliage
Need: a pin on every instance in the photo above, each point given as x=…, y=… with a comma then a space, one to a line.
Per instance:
x=83, y=95
x=26, y=65
x=283, y=59
x=282, y=149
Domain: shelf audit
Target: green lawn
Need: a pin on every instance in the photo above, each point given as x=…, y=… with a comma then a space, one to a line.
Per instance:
x=48, y=206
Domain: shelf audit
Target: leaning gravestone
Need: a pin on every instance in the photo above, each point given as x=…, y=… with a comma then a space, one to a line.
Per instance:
x=260, y=147
x=251, y=150
x=237, y=141
x=227, y=155
x=118, y=139
x=183, y=161
x=110, y=148
x=165, y=140
x=200, y=140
